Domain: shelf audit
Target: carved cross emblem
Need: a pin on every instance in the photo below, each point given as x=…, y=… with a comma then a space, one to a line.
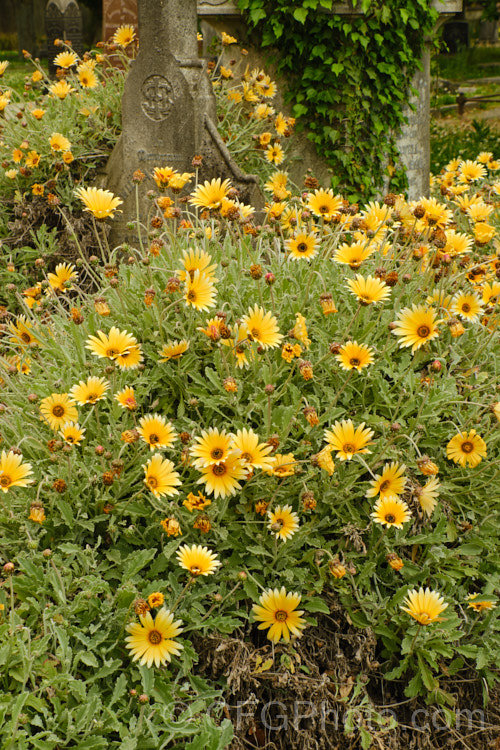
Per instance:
x=157, y=97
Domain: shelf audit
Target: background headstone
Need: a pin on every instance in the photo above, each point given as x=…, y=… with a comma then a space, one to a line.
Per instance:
x=63, y=20
x=117, y=13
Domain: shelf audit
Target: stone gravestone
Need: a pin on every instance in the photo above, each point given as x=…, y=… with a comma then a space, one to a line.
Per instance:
x=168, y=111
x=117, y=13
x=63, y=20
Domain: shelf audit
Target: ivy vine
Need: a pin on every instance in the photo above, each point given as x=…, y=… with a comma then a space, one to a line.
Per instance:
x=348, y=79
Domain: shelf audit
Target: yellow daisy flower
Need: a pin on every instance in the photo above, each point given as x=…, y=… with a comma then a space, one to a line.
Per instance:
x=210, y=194
x=424, y=606
x=13, y=473
x=211, y=447
x=57, y=409
x=126, y=398
x=262, y=327
x=152, y=640
x=277, y=611
x=479, y=606
x=324, y=203
x=66, y=59
x=354, y=254
x=59, y=142
x=390, y=510
x=61, y=89
x=347, y=441
x=468, y=306
x=89, y=391
x=436, y=213
x=283, y=522
x=239, y=349
x=466, y=448
x=427, y=495
x=72, y=433
x=470, y=171
x=196, y=502
x=87, y=77
x=112, y=345
x=160, y=476
x=483, y=233
x=480, y=211
x=196, y=260
x=325, y=461
x=354, y=356
x=23, y=332
x=390, y=483
x=100, y=203
x=252, y=454
x=275, y=154
x=156, y=599
x=198, y=560
x=173, y=350
x=302, y=245
x=124, y=35
x=163, y=175
x=130, y=359
x=200, y=291
x=370, y=290
x=416, y=326
x=156, y=432
x=222, y=479
x=283, y=465
x=61, y=279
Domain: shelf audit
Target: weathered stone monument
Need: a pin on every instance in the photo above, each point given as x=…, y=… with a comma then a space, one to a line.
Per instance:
x=63, y=20
x=168, y=111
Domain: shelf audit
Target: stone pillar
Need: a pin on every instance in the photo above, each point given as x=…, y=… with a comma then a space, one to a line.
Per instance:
x=414, y=141
x=166, y=97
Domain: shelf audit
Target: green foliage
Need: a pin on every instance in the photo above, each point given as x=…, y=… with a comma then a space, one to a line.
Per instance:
x=348, y=78
x=452, y=139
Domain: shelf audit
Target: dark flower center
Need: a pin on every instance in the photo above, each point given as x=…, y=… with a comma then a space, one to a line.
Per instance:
x=111, y=353
x=152, y=482
x=58, y=410
x=219, y=470
x=5, y=480
x=467, y=447
x=25, y=337
x=255, y=333
x=323, y=209
x=217, y=453
x=302, y=247
x=154, y=438
x=246, y=457
x=423, y=331
x=191, y=295
x=92, y=398
x=385, y=485
x=389, y=518
x=465, y=307
x=154, y=637
x=354, y=361
x=280, y=615
x=349, y=448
